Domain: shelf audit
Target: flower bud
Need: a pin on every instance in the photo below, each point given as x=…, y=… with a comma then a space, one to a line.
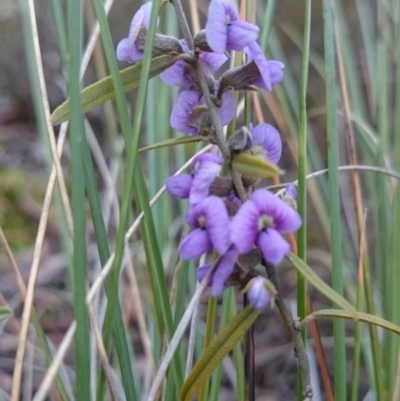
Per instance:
x=200, y=41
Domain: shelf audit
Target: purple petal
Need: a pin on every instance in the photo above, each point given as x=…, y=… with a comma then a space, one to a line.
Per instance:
x=286, y=219
x=262, y=63
x=206, y=157
x=243, y=227
x=179, y=185
x=195, y=244
x=275, y=71
x=291, y=191
x=219, y=12
x=201, y=273
x=175, y=75
x=257, y=295
x=213, y=210
x=214, y=60
x=223, y=270
x=128, y=53
x=268, y=138
x=203, y=177
x=273, y=246
x=241, y=34
x=182, y=111
x=233, y=198
x=140, y=20
x=228, y=108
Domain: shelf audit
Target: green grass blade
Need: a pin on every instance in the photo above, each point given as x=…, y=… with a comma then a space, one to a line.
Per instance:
x=216, y=378
x=340, y=376
x=82, y=343
x=208, y=337
x=5, y=313
x=302, y=159
x=357, y=337
x=358, y=316
x=302, y=186
x=217, y=350
x=156, y=270
x=104, y=253
x=172, y=142
x=58, y=16
x=319, y=284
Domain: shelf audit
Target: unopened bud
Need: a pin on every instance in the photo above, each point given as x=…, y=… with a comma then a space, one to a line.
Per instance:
x=239, y=78
x=163, y=44
x=241, y=140
x=200, y=41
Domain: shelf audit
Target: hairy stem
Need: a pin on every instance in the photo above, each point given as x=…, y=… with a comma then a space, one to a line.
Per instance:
x=294, y=330
x=220, y=137
x=183, y=23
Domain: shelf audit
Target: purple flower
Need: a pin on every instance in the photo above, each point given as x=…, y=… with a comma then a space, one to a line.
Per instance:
x=182, y=74
x=190, y=113
x=260, y=221
x=225, y=267
x=258, y=294
x=224, y=29
x=205, y=167
x=210, y=220
x=267, y=138
x=127, y=49
x=270, y=71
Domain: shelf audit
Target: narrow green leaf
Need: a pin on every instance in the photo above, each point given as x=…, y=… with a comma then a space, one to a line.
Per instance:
x=103, y=90
x=357, y=317
x=320, y=285
x=339, y=358
x=172, y=142
x=253, y=166
x=217, y=351
x=5, y=313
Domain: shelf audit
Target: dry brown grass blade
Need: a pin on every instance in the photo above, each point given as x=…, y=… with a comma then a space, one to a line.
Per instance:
x=14, y=267
x=37, y=253
x=51, y=373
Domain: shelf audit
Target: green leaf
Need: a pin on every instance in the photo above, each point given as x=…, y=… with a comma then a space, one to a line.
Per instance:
x=172, y=142
x=320, y=285
x=5, y=313
x=358, y=317
x=101, y=91
x=217, y=350
x=253, y=166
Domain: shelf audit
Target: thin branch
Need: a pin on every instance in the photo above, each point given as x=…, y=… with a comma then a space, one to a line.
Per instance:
x=359, y=167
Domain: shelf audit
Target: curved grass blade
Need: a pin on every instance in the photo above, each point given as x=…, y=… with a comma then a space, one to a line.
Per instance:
x=172, y=142
x=5, y=313
x=357, y=317
x=217, y=350
x=103, y=90
x=254, y=167
x=320, y=285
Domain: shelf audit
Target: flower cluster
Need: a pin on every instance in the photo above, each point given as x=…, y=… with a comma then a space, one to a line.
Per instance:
x=243, y=233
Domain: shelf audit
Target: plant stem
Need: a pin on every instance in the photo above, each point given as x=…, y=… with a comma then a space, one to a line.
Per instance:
x=183, y=23
x=299, y=347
